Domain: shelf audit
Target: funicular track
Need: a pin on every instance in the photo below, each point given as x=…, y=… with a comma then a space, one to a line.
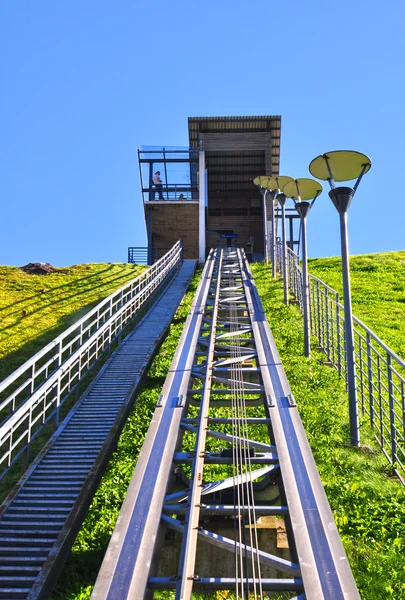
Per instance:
x=224, y=465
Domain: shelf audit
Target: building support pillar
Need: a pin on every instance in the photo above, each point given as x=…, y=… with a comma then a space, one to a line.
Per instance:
x=201, y=209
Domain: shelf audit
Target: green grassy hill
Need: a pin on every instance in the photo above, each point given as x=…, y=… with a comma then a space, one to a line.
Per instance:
x=34, y=309
x=378, y=292
x=368, y=504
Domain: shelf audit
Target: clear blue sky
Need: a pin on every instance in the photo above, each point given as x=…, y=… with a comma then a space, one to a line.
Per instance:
x=84, y=82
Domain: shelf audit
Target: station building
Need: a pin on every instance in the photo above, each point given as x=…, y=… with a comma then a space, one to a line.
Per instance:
x=206, y=196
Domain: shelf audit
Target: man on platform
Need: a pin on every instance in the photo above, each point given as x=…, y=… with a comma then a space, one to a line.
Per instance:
x=158, y=183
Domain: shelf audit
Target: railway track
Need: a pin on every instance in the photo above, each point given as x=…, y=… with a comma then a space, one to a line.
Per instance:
x=225, y=494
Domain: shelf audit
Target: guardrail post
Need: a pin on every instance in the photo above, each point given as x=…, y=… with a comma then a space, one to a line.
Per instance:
x=392, y=411
x=338, y=335
x=52, y=392
x=59, y=360
x=381, y=411
x=360, y=343
x=403, y=407
x=318, y=312
x=327, y=323
x=370, y=379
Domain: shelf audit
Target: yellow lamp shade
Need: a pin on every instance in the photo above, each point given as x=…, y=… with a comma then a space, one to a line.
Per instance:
x=261, y=181
x=278, y=182
x=302, y=189
x=344, y=165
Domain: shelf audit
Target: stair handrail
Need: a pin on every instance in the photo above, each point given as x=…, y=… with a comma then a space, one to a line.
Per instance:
x=85, y=328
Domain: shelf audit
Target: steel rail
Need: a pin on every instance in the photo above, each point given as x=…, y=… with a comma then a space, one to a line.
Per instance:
x=43, y=512
x=74, y=358
x=325, y=569
x=189, y=546
x=83, y=326
x=180, y=518
x=128, y=558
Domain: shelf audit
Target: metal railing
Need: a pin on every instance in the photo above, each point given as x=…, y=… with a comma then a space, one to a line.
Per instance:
x=380, y=372
x=35, y=392
x=138, y=255
x=170, y=191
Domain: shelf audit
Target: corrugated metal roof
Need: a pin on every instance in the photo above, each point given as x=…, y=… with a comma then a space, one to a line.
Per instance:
x=233, y=162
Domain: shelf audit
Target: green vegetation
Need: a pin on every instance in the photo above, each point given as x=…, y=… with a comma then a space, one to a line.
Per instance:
x=367, y=503
x=79, y=574
x=378, y=292
x=34, y=309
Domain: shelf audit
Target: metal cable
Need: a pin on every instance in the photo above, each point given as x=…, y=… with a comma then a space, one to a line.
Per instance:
x=241, y=456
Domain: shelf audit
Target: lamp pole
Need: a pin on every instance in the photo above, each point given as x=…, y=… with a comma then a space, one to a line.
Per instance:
x=302, y=190
x=265, y=233
x=271, y=195
x=303, y=209
x=282, y=199
x=345, y=165
x=341, y=198
x=261, y=181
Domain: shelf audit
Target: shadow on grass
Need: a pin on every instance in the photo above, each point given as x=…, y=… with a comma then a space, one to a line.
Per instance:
x=11, y=362
x=59, y=287
x=80, y=571
x=65, y=298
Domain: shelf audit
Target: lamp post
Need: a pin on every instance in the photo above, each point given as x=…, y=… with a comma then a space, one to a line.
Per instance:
x=278, y=183
x=344, y=165
x=272, y=195
x=302, y=190
x=261, y=182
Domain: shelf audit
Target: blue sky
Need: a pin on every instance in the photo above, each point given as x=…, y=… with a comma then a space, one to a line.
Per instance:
x=85, y=82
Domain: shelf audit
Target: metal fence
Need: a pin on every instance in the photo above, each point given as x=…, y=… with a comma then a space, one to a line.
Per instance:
x=380, y=373
x=34, y=393
x=139, y=255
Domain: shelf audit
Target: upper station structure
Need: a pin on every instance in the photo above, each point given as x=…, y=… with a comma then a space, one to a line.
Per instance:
x=206, y=196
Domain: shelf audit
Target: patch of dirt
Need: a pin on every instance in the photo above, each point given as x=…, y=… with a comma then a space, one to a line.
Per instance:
x=40, y=268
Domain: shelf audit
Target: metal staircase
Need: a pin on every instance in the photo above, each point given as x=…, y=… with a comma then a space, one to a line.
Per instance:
x=40, y=518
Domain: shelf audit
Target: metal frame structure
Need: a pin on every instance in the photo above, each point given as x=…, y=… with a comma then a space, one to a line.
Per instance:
x=35, y=392
x=380, y=379
x=226, y=358
x=170, y=190
x=141, y=255
x=138, y=255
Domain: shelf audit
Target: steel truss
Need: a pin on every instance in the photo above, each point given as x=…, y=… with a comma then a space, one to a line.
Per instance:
x=203, y=479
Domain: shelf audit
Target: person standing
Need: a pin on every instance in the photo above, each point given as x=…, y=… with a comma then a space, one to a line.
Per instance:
x=158, y=183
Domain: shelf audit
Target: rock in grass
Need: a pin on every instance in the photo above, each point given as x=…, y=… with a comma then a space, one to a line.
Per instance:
x=40, y=268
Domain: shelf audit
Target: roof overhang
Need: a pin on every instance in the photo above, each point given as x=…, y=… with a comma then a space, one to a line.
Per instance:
x=237, y=149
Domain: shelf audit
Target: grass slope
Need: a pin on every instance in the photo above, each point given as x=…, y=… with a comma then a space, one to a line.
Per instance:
x=368, y=505
x=378, y=292
x=34, y=309
x=78, y=577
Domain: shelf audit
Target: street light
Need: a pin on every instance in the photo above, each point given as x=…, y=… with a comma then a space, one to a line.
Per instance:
x=344, y=165
x=278, y=183
x=302, y=190
x=261, y=182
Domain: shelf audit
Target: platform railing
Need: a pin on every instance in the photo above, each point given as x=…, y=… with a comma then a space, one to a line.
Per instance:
x=35, y=392
x=380, y=372
x=138, y=255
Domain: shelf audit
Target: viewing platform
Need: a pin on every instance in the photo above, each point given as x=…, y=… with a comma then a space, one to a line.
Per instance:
x=178, y=171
